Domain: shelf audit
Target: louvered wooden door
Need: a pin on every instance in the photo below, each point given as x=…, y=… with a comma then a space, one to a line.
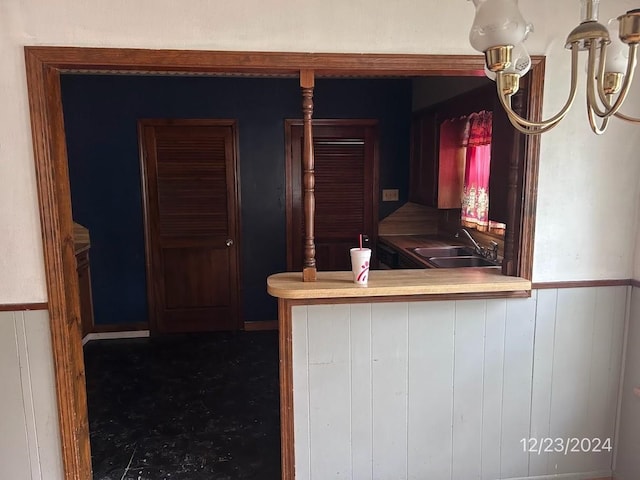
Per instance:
x=191, y=224
x=346, y=191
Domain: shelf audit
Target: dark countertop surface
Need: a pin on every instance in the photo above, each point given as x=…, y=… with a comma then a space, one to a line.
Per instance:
x=404, y=243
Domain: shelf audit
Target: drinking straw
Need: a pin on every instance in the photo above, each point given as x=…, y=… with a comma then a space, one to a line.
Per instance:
x=360, y=241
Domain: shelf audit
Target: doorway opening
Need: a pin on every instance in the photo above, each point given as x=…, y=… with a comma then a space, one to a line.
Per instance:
x=44, y=67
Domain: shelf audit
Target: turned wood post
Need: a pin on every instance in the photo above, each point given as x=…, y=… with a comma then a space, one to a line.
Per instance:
x=307, y=82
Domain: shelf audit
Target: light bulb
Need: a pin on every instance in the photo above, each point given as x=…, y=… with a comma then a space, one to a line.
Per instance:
x=617, y=51
x=497, y=22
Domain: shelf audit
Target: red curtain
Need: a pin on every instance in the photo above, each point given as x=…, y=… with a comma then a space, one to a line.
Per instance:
x=475, y=199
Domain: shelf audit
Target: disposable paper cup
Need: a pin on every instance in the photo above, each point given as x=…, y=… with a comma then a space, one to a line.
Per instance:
x=360, y=258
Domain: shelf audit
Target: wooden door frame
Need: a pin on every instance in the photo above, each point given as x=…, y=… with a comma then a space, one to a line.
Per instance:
x=234, y=216
x=43, y=68
x=289, y=207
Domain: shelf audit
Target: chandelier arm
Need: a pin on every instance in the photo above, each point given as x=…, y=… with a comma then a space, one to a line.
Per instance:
x=598, y=130
x=627, y=118
x=531, y=130
x=606, y=100
x=514, y=117
x=593, y=78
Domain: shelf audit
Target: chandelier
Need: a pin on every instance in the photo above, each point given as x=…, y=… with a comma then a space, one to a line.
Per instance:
x=499, y=31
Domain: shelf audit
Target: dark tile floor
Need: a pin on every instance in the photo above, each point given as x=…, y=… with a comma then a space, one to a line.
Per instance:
x=187, y=407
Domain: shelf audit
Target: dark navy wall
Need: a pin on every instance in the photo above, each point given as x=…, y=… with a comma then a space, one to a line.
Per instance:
x=101, y=114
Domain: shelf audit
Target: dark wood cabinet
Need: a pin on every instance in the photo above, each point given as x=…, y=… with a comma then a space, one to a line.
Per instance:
x=428, y=178
x=423, y=188
x=82, y=245
x=406, y=262
x=84, y=286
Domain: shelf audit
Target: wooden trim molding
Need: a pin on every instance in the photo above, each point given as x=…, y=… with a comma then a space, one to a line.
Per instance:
x=45, y=104
x=120, y=327
x=582, y=284
x=261, y=326
x=287, y=443
x=634, y=283
x=43, y=68
x=21, y=307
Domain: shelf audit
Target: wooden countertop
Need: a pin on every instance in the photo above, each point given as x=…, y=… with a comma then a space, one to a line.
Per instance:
x=387, y=283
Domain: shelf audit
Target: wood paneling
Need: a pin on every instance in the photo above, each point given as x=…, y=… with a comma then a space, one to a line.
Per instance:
x=448, y=390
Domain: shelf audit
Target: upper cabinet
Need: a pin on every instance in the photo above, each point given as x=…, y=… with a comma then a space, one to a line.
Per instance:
x=437, y=171
x=423, y=187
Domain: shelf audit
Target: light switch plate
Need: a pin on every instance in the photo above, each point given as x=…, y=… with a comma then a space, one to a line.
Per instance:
x=390, y=195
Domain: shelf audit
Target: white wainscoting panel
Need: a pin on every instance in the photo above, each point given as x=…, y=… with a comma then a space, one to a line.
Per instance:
x=430, y=437
x=456, y=389
x=628, y=451
x=29, y=443
x=389, y=387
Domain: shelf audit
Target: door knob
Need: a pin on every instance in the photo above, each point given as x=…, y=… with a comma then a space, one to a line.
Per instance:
x=229, y=242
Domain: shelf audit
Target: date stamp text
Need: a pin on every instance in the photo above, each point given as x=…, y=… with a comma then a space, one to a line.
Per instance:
x=566, y=445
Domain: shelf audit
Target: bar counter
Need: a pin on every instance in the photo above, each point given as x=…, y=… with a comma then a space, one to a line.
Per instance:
x=317, y=318
x=397, y=283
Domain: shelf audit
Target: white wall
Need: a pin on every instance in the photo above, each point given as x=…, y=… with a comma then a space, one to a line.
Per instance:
x=29, y=443
x=448, y=390
x=588, y=188
x=588, y=185
x=628, y=455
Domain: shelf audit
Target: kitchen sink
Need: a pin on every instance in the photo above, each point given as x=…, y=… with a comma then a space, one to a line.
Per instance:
x=461, y=261
x=452, y=251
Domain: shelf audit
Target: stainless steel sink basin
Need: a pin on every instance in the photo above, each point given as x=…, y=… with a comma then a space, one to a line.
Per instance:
x=461, y=261
x=453, y=251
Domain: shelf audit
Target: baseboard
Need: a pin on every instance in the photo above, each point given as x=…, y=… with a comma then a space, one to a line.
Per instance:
x=259, y=326
x=569, y=476
x=119, y=327
x=114, y=335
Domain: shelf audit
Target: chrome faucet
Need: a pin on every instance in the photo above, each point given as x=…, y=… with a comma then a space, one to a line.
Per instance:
x=491, y=253
x=476, y=246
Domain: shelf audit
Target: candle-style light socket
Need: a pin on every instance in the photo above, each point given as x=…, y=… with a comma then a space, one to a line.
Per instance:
x=498, y=58
x=508, y=83
x=630, y=26
x=612, y=82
